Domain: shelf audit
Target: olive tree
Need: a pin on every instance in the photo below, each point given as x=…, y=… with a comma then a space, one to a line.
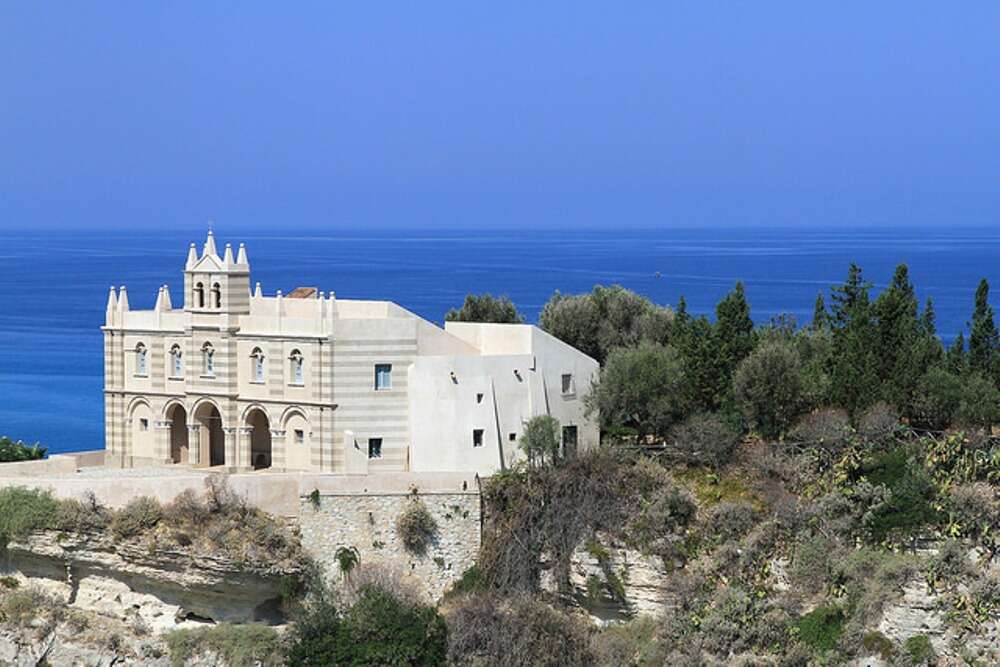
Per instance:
x=641, y=387
x=768, y=386
x=485, y=308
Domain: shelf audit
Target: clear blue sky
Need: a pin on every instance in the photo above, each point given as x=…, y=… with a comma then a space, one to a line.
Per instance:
x=541, y=114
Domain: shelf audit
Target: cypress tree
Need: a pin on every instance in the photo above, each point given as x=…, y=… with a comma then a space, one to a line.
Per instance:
x=820, y=318
x=928, y=321
x=955, y=359
x=734, y=339
x=983, y=337
x=899, y=337
x=854, y=375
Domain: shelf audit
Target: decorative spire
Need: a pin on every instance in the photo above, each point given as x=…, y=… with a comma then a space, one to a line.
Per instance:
x=109, y=315
x=241, y=257
x=228, y=260
x=122, y=300
x=258, y=292
x=167, y=305
x=209, y=248
x=159, y=300
x=192, y=257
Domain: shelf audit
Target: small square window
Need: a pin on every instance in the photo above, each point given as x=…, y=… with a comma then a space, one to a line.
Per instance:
x=300, y=436
x=512, y=437
x=567, y=384
x=477, y=437
x=143, y=424
x=383, y=377
x=374, y=448
x=479, y=398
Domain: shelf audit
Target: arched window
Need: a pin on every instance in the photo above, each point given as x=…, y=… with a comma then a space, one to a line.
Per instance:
x=257, y=365
x=296, y=361
x=176, y=363
x=140, y=360
x=199, y=296
x=216, y=296
x=207, y=359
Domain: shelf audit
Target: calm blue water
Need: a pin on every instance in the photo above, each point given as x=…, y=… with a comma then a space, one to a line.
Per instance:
x=53, y=286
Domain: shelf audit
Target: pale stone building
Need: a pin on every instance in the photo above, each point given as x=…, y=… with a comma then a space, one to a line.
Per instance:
x=306, y=381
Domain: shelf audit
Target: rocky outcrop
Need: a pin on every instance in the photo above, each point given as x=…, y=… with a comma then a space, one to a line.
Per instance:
x=155, y=589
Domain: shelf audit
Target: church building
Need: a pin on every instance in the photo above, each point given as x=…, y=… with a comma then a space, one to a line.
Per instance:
x=304, y=381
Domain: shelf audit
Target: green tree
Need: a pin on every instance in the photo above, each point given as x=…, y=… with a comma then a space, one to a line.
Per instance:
x=899, y=340
x=606, y=318
x=983, y=337
x=854, y=376
x=980, y=402
x=540, y=439
x=641, y=387
x=956, y=360
x=734, y=339
x=769, y=388
x=820, y=318
x=485, y=308
x=937, y=399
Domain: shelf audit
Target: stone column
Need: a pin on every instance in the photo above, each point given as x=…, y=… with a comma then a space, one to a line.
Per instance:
x=194, y=444
x=278, y=448
x=163, y=453
x=230, y=445
x=243, y=448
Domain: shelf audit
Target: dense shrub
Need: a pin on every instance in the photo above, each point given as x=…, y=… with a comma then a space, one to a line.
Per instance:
x=878, y=422
x=552, y=511
x=236, y=645
x=87, y=516
x=827, y=429
x=980, y=402
x=821, y=628
x=704, y=439
x=416, y=527
x=909, y=510
x=487, y=632
x=138, y=516
x=919, y=650
x=631, y=643
x=378, y=629
x=11, y=450
x=23, y=511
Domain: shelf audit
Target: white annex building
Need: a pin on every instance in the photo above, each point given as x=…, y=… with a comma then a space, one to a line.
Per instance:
x=306, y=381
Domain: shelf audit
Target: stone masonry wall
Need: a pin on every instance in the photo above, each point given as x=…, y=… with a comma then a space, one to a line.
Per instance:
x=367, y=522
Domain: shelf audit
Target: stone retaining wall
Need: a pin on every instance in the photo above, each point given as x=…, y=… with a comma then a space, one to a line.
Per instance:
x=367, y=522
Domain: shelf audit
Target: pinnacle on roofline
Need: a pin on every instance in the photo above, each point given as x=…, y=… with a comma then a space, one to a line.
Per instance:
x=209, y=247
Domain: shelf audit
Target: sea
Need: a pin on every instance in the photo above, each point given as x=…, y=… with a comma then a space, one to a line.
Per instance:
x=54, y=285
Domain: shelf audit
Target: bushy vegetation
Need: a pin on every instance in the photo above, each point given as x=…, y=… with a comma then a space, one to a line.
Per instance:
x=11, y=450
x=379, y=627
x=485, y=308
x=217, y=521
x=247, y=645
x=416, y=526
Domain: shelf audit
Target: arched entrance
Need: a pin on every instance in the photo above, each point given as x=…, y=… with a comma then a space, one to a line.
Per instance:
x=212, y=440
x=177, y=416
x=260, y=439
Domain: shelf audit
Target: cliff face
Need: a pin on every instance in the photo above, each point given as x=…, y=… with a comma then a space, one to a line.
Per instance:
x=150, y=590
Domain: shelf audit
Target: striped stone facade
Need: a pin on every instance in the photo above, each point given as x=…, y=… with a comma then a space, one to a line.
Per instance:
x=237, y=380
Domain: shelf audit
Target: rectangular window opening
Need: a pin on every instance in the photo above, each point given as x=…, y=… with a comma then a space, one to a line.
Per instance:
x=512, y=437
x=383, y=377
x=479, y=398
x=477, y=437
x=567, y=384
x=374, y=448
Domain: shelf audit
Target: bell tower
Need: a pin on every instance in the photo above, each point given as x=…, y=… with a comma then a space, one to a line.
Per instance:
x=214, y=284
